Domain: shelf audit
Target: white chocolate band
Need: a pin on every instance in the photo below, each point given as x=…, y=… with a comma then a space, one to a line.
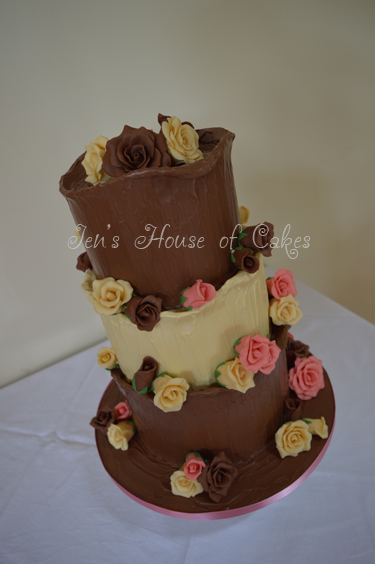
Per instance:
x=193, y=343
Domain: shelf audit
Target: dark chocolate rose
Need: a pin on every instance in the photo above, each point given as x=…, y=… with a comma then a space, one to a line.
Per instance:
x=292, y=409
x=144, y=312
x=258, y=238
x=279, y=333
x=145, y=374
x=217, y=477
x=83, y=262
x=245, y=260
x=103, y=420
x=295, y=349
x=135, y=149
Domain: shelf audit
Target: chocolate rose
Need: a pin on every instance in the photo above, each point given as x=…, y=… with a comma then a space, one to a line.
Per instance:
x=144, y=312
x=245, y=260
x=217, y=477
x=295, y=349
x=83, y=262
x=103, y=420
x=279, y=333
x=292, y=409
x=135, y=149
x=145, y=374
x=258, y=238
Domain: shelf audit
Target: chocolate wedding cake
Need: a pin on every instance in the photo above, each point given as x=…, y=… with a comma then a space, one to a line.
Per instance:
x=212, y=398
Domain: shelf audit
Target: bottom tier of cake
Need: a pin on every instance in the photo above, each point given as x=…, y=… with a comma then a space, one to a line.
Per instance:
x=261, y=477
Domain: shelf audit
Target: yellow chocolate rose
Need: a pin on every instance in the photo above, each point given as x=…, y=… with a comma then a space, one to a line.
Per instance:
x=318, y=427
x=109, y=295
x=233, y=375
x=285, y=311
x=170, y=393
x=93, y=160
x=120, y=434
x=292, y=438
x=244, y=215
x=88, y=281
x=182, y=140
x=180, y=485
x=107, y=358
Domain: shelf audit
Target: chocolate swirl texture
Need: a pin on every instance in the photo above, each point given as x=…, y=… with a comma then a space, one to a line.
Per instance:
x=195, y=200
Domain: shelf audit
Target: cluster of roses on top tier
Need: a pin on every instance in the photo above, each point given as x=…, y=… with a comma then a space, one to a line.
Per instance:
x=137, y=149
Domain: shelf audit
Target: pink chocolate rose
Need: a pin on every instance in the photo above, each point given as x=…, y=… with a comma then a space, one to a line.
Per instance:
x=306, y=378
x=258, y=353
x=282, y=284
x=198, y=294
x=193, y=466
x=122, y=411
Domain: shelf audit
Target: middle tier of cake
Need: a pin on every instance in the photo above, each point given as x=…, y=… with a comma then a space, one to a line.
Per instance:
x=191, y=344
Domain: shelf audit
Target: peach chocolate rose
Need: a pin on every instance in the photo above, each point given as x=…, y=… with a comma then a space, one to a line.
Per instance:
x=182, y=140
x=257, y=353
x=170, y=393
x=122, y=411
x=109, y=295
x=93, y=160
x=120, y=434
x=285, y=311
x=107, y=358
x=233, y=375
x=197, y=295
x=292, y=438
x=306, y=377
x=282, y=284
x=193, y=466
x=181, y=485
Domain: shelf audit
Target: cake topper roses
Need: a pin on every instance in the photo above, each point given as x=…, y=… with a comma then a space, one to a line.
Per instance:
x=137, y=149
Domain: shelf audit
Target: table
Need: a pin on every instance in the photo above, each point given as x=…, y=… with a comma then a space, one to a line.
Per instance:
x=58, y=505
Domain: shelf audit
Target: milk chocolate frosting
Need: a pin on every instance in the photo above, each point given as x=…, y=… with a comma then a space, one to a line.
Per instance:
x=211, y=420
x=259, y=478
x=194, y=200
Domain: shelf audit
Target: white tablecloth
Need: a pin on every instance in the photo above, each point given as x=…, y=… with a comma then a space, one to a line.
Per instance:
x=58, y=505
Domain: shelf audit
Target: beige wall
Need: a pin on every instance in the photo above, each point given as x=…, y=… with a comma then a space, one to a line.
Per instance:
x=294, y=80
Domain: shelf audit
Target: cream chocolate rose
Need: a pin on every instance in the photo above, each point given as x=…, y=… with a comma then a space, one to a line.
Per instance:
x=233, y=375
x=93, y=160
x=120, y=434
x=107, y=358
x=292, y=438
x=170, y=393
x=318, y=427
x=244, y=215
x=181, y=485
x=109, y=295
x=88, y=281
x=182, y=140
x=285, y=311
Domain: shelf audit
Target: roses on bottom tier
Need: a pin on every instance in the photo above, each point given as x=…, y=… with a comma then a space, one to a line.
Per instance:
x=198, y=475
x=295, y=436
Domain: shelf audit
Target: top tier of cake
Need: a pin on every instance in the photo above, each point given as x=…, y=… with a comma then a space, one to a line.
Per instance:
x=196, y=201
